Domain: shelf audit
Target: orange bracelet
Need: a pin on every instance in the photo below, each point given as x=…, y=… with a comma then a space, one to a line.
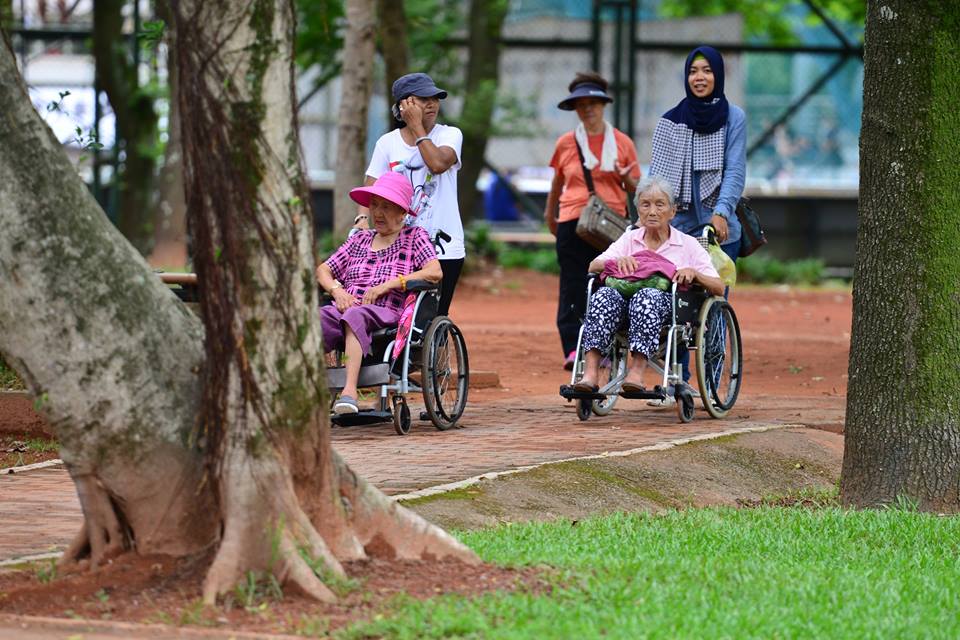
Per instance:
x=403, y=283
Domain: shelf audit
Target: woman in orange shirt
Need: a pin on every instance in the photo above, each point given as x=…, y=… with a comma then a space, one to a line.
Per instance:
x=611, y=158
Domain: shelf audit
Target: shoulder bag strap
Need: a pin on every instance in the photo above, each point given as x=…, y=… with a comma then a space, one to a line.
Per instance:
x=586, y=173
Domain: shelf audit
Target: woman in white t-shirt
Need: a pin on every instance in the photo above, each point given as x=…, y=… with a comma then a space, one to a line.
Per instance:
x=428, y=154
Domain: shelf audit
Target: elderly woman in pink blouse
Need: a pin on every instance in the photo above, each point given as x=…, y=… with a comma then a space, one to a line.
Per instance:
x=653, y=245
x=367, y=276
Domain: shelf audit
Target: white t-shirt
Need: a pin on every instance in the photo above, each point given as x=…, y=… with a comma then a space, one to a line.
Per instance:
x=434, y=196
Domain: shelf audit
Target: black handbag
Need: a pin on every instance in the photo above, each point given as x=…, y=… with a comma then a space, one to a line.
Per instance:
x=751, y=235
x=598, y=225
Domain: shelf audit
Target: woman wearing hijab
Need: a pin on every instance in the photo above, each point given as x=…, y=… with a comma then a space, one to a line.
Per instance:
x=700, y=147
x=611, y=158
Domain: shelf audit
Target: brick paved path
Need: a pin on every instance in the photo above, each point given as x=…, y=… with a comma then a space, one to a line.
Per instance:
x=39, y=510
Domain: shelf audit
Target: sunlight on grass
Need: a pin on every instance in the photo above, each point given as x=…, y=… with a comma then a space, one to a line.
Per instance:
x=760, y=573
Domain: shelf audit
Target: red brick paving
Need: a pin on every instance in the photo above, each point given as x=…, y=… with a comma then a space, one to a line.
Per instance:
x=40, y=512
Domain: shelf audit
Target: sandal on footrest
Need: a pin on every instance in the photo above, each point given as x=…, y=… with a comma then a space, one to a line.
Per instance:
x=581, y=387
x=632, y=387
x=346, y=404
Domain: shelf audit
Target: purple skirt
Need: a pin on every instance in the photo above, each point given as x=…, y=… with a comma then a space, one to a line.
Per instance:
x=362, y=319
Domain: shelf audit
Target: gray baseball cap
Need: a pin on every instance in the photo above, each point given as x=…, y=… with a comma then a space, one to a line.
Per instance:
x=416, y=84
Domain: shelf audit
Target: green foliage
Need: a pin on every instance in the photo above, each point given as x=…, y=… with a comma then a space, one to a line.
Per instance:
x=46, y=572
x=320, y=37
x=481, y=245
x=769, y=20
x=9, y=380
x=719, y=573
x=767, y=270
x=254, y=592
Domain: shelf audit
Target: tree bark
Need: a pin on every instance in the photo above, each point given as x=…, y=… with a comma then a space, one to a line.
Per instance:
x=483, y=70
x=289, y=505
x=393, y=47
x=903, y=412
x=178, y=444
x=136, y=120
x=109, y=353
x=6, y=14
x=356, y=84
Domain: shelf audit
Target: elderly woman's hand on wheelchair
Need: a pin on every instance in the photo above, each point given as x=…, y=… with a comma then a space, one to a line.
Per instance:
x=685, y=276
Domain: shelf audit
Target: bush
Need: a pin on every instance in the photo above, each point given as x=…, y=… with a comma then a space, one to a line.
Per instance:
x=768, y=270
x=9, y=380
x=481, y=246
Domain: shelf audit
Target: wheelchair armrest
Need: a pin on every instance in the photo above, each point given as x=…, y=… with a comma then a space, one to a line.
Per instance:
x=422, y=285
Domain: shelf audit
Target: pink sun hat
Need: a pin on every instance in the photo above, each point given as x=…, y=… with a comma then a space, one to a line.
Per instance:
x=391, y=186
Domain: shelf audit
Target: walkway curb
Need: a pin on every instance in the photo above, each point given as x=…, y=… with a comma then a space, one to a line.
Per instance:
x=662, y=446
x=10, y=622
x=31, y=467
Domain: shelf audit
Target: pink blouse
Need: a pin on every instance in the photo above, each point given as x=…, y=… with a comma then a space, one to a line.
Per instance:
x=680, y=249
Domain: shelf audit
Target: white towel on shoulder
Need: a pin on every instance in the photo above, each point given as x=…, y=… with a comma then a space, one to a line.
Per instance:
x=608, y=154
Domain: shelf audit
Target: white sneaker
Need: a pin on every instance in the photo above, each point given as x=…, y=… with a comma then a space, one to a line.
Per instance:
x=669, y=401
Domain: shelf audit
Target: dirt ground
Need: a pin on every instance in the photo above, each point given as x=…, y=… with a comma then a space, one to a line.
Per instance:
x=796, y=348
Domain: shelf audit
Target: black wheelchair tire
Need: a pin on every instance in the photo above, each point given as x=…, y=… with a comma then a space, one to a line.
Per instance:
x=401, y=416
x=584, y=409
x=715, y=405
x=434, y=391
x=685, y=406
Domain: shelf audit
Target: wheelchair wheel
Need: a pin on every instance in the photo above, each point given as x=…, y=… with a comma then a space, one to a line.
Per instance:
x=616, y=365
x=445, y=373
x=584, y=408
x=401, y=416
x=685, y=406
x=719, y=357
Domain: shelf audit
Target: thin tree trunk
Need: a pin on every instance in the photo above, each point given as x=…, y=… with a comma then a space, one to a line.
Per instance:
x=356, y=82
x=483, y=69
x=109, y=353
x=170, y=209
x=136, y=120
x=393, y=48
x=903, y=412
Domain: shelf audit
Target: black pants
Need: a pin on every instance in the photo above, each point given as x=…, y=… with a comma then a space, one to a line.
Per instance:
x=574, y=256
x=451, y=273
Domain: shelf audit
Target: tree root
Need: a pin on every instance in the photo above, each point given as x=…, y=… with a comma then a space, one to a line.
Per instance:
x=103, y=535
x=387, y=529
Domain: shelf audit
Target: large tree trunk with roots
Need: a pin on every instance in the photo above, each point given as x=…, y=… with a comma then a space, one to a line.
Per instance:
x=903, y=413
x=112, y=357
x=288, y=503
x=244, y=465
x=356, y=81
x=483, y=71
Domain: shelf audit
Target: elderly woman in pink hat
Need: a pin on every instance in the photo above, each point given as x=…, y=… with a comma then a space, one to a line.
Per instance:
x=367, y=276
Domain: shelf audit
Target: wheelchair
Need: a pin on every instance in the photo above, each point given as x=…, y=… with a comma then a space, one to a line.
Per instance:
x=699, y=323
x=434, y=363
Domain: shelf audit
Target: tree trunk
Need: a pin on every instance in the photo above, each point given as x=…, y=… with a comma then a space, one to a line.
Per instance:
x=136, y=120
x=356, y=82
x=170, y=208
x=288, y=503
x=483, y=69
x=179, y=444
x=6, y=14
x=903, y=412
x=109, y=353
x=393, y=48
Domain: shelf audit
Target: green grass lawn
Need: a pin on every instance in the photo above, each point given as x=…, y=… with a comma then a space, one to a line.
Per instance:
x=710, y=573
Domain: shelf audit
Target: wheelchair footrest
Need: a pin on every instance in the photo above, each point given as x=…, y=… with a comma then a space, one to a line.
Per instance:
x=361, y=419
x=657, y=393
x=567, y=391
x=371, y=375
